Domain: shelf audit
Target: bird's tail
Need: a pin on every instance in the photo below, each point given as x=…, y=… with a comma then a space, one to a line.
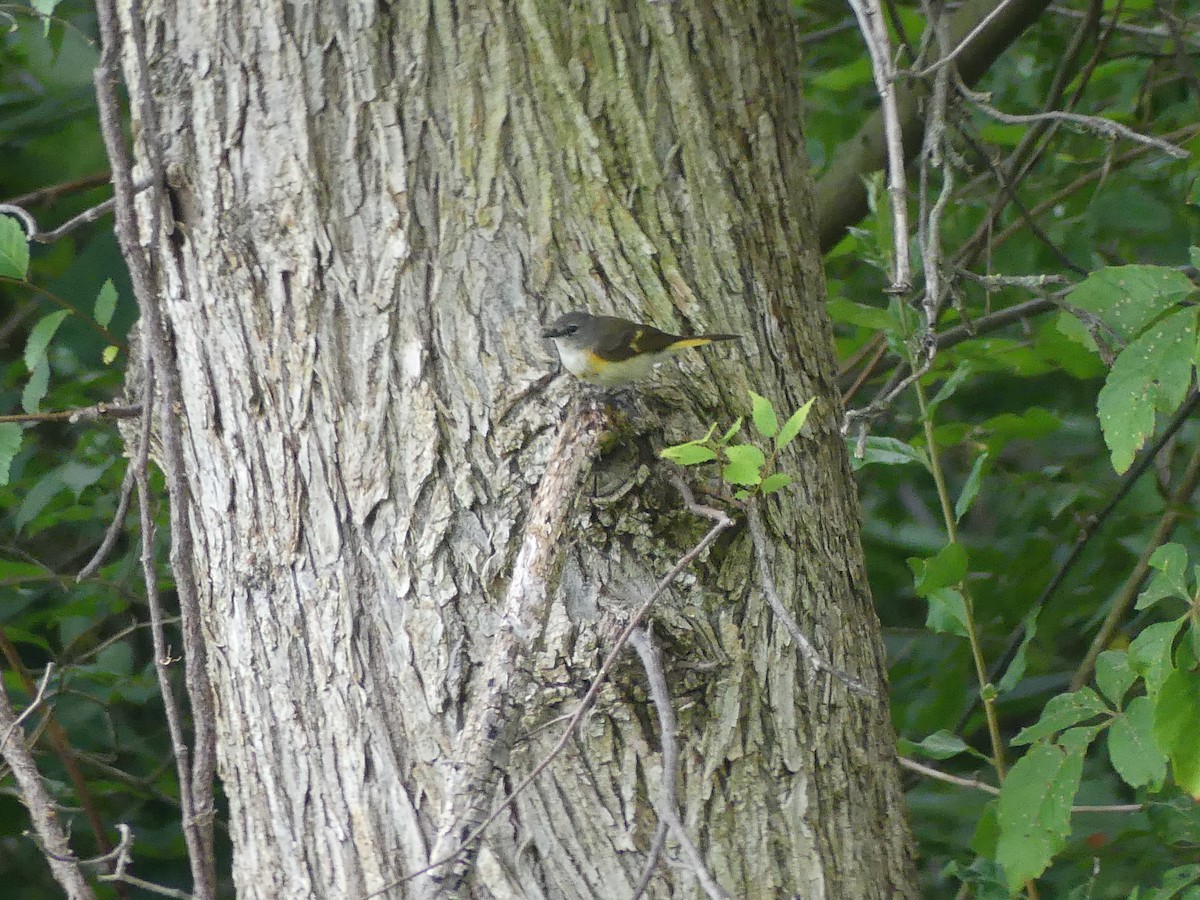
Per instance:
x=699, y=340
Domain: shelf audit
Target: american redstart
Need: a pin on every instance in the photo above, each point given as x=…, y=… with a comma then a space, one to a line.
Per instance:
x=611, y=351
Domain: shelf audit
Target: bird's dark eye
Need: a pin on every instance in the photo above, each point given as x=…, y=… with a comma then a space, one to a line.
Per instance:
x=571, y=329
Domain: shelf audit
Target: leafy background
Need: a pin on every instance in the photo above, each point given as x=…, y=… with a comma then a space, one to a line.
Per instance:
x=1007, y=419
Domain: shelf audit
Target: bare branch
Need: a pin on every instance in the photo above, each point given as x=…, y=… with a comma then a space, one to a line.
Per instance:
x=80, y=414
x=965, y=42
x=51, y=838
x=758, y=537
x=52, y=192
x=870, y=23
x=116, y=525
x=722, y=523
x=33, y=704
x=668, y=810
x=196, y=780
x=488, y=731
x=913, y=766
x=1097, y=124
x=34, y=233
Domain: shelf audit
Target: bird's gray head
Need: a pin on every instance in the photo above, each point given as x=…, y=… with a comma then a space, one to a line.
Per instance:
x=573, y=329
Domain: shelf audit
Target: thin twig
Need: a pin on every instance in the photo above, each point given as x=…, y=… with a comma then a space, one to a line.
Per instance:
x=934, y=154
x=656, y=848
x=956, y=335
x=196, y=780
x=1090, y=529
x=52, y=192
x=1159, y=34
x=123, y=855
x=1098, y=124
x=914, y=766
x=33, y=704
x=895, y=387
x=33, y=231
x=758, y=537
x=964, y=43
x=1178, y=506
x=870, y=23
x=51, y=838
x=162, y=655
x=79, y=414
x=116, y=526
x=668, y=810
x=585, y=704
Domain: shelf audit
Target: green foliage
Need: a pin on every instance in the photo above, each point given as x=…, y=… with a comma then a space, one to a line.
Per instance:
x=1034, y=812
x=14, y=249
x=64, y=304
x=1140, y=305
x=972, y=504
x=745, y=465
x=1016, y=453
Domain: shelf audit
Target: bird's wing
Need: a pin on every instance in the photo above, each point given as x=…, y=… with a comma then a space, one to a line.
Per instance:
x=630, y=340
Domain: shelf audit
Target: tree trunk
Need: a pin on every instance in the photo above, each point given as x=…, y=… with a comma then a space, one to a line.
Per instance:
x=375, y=207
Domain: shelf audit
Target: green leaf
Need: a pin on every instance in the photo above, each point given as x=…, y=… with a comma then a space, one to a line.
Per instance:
x=764, y=416
x=947, y=612
x=106, y=303
x=46, y=9
x=110, y=353
x=1016, y=669
x=745, y=464
x=37, y=498
x=886, y=451
x=1128, y=298
x=1030, y=425
x=948, y=567
x=1034, y=810
x=36, y=387
x=970, y=488
x=1113, y=675
x=987, y=832
x=1177, y=725
x=1152, y=372
x=1150, y=653
x=14, y=249
x=873, y=317
x=689, y=454
x=40, y=337
x=792, y=426
x=940, y=745
x=1132, y=748
x=10, y=445
x=1173, y=883
x=1062, y=712
x=733, y=429
x=79, y=476
x=773, y=483
x=1170, y=580
x=949, y=386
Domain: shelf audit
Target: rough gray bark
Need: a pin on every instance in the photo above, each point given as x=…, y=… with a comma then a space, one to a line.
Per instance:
x=376, y=206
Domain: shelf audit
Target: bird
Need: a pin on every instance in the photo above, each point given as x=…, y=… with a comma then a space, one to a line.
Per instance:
x=610, y=351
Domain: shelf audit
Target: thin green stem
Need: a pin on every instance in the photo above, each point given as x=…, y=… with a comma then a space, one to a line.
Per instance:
x=1179, y=501
x=939, y=480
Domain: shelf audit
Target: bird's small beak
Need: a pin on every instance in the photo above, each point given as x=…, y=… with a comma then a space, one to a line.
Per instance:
x=551, y=332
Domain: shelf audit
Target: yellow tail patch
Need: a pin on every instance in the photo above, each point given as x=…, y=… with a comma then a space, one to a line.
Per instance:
x=684, y=343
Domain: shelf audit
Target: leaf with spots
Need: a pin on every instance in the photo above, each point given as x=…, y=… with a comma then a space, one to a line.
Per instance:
x=1152, y=373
